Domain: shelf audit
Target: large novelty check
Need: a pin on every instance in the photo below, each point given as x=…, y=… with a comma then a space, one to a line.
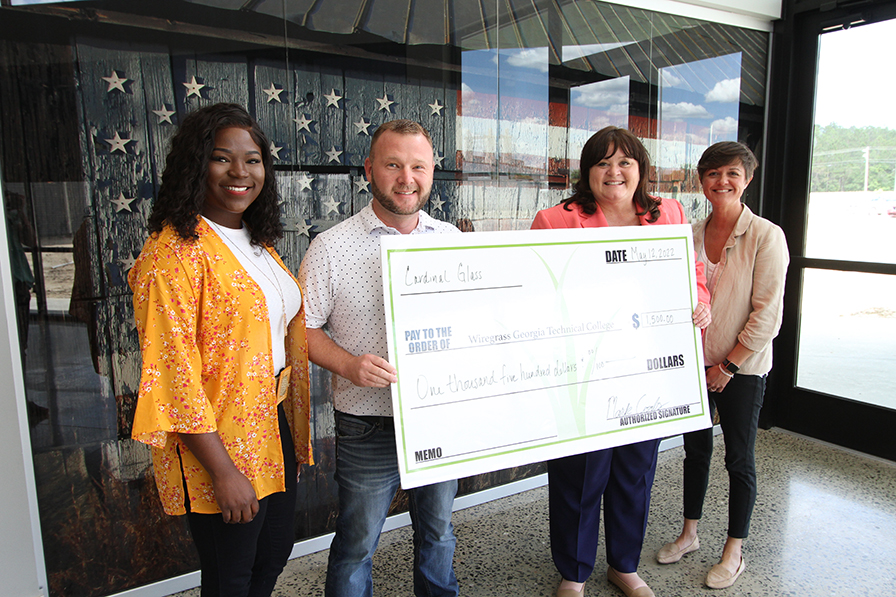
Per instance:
x=517, y=347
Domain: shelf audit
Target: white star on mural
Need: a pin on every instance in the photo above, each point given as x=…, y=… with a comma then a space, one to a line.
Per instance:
x=436, y=203
x=361, y=126
x=303, y=227
x=116, y=143
x=193, y=87
x=436, y=108
x=332, y=206
x=438, y=158
x=362, y=186
x=123, y=203
x=303, y=122
x=275, y=151
x=127, y=263
x=305, y=182
x=385, y=103
x=164, y=114
x=333, y=98
x=333, y=155
x=273, y=94
x=115, y=82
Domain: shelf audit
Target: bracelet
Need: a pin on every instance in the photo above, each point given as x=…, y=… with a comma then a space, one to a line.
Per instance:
x=725, y=371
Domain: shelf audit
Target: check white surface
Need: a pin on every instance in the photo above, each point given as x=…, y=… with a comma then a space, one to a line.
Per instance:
x=517, y=347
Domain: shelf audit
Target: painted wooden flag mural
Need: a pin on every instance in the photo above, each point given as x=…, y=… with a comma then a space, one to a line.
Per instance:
x=96, y=490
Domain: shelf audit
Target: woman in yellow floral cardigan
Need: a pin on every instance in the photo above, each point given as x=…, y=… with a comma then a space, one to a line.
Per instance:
x=224, y=393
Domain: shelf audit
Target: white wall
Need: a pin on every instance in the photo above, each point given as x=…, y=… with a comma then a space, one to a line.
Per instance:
x=758, y=8
x=21, y=557
x=752, y=14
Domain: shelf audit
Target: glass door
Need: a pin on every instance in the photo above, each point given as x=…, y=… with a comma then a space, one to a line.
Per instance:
x=847, y=340
x=839, y=333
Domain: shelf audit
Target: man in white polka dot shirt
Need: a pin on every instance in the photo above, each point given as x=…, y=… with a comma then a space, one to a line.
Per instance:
x=342, y=279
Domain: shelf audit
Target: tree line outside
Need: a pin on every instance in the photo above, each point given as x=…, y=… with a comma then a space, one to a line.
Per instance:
x=841, y=157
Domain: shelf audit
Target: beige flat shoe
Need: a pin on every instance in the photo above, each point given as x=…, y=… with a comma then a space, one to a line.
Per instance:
x=720, y=578
x=669, y=553
x=614, y=578
x=570, y=593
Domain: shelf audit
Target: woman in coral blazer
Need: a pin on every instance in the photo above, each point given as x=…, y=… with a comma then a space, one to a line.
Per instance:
x=610, y=192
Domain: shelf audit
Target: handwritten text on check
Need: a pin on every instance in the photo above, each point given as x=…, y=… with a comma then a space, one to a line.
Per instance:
x=517, y=347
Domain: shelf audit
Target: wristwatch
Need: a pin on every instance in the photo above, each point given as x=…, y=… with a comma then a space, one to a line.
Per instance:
x=731, y=367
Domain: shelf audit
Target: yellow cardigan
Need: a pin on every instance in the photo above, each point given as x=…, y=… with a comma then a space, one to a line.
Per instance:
x=207, y=366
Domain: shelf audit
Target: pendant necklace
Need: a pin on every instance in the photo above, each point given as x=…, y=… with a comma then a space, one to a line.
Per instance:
x=259, y=252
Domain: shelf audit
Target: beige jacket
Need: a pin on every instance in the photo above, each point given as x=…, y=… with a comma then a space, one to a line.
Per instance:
x=748, y=299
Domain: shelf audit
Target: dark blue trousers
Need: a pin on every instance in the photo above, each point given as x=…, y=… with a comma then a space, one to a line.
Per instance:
x=623, y=477
x=244, y=560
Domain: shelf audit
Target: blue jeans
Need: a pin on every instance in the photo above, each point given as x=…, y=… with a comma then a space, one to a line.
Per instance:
x=367, y=475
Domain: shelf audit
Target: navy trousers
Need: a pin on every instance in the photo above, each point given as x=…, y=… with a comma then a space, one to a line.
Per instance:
x=623, y=478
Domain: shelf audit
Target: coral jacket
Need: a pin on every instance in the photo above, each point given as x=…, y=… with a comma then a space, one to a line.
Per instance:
x=671, y=212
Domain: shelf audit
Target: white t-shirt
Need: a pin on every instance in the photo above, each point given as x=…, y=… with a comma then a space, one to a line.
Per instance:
x=280, y=291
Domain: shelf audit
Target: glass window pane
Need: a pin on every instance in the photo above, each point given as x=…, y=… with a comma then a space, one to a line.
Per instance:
x=699, y=105
x=847, y=344
x=595, y=105
x=510, y=91
x=852, y=205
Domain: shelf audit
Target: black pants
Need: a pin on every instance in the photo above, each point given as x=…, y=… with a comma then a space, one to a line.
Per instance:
x=739, y=405
x=244, y=560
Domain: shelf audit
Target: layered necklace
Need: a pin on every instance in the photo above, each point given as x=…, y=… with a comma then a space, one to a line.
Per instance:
x=258, y=252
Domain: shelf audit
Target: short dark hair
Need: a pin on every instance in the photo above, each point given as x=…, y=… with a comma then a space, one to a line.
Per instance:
x=184, y=181
x=603, y=144
x=725, y=153
x=400, y=126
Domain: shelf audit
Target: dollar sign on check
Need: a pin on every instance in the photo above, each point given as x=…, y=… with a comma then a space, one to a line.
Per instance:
x=635, y=323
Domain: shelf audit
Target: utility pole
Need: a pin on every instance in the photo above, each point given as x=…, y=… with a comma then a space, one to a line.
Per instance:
x=867, y=152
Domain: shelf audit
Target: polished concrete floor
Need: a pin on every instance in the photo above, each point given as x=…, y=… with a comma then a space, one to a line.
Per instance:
x=824, y=525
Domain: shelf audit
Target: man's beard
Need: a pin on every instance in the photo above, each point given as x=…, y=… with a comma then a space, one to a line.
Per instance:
x=390, y=205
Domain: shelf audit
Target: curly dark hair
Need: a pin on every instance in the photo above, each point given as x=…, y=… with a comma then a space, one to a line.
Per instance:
x=183, y=191
x=603, y=144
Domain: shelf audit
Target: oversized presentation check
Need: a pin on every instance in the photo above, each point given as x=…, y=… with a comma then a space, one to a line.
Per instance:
x=517, y=347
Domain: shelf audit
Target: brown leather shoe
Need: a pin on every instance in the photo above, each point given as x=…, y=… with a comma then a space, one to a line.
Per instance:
x=669, y=553
x=720, y=578
x=614, y=578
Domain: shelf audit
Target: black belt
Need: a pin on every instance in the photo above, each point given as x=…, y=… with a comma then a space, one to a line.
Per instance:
x=376, y=421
